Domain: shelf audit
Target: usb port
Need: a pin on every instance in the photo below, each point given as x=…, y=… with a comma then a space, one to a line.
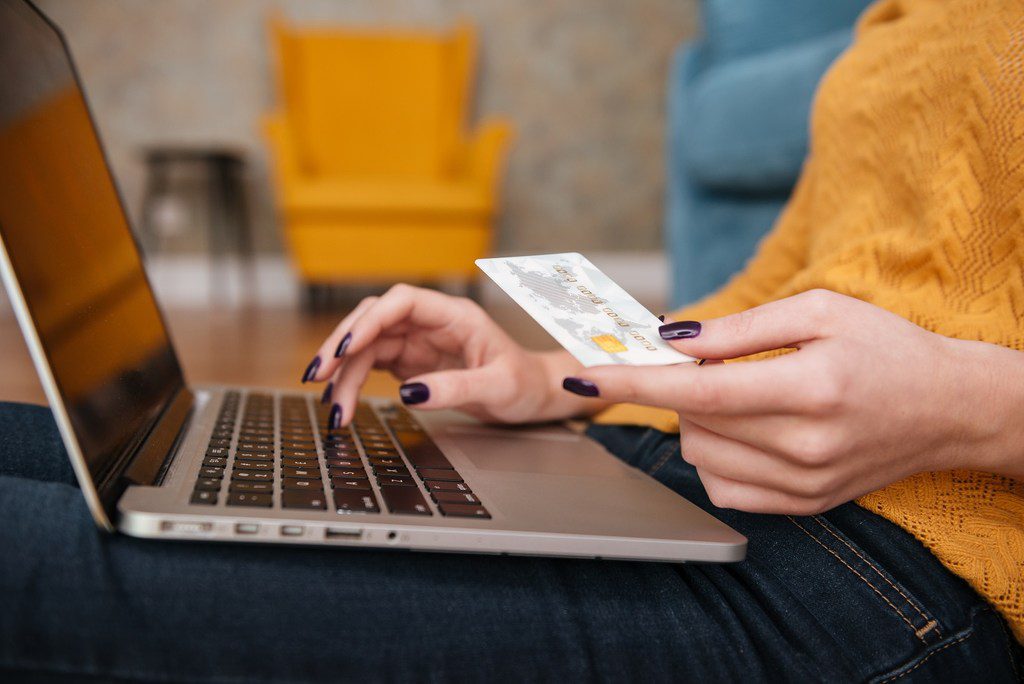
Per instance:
x=342, y=533
x=291, y=530
x=247, y=528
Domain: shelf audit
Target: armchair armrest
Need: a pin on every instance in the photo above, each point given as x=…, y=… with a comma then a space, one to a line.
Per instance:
x=484, y=153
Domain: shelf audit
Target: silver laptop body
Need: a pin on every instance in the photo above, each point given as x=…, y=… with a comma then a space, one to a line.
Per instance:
x=156, y=458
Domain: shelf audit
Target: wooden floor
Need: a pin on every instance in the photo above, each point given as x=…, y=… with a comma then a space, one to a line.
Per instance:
x=261, y=347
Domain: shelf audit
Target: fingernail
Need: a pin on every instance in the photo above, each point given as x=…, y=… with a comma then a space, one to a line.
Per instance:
x=579, y=386
x=334, y=419
x=343, y=345
x=326, y=397
x=680, y=330
x=661, y=318
x=414, y=393
x=311, y=369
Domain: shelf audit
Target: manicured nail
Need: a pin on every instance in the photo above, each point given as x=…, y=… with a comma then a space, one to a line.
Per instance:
x=326, y=397
x=343, y=345
x=582, y=387
x=414, y=393
x=334, y=419
x=661, y=318
x=680, y=330
x=311, y=370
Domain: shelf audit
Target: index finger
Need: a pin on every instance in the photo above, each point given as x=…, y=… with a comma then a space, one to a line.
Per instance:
x=751, y=387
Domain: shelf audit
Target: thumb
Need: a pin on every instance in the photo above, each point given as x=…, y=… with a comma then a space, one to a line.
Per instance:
x=453, y=388
x=790, y=322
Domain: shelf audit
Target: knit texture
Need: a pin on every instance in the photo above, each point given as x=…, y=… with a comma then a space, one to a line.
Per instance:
x=912, y=199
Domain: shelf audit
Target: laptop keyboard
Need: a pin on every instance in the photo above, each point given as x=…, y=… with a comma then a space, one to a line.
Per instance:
x=269, y=450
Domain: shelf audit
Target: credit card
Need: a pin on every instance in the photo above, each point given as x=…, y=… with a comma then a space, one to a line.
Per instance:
x=583, y=309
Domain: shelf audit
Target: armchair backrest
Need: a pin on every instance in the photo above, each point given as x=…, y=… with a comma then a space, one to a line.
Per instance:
x=365, y=103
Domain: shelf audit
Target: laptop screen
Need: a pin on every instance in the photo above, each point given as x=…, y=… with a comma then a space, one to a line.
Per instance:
x=71, y=248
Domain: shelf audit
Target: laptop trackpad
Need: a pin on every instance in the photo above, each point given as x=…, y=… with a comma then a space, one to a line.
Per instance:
x=541, y=451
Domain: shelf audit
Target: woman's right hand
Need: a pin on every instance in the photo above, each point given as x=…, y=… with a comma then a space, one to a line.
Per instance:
x=449, y=354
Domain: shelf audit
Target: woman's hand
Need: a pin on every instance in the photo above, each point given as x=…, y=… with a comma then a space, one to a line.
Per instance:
x=868, y=399
x=451, y=355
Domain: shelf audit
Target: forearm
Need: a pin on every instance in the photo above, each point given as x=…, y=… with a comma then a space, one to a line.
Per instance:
x=989, y=393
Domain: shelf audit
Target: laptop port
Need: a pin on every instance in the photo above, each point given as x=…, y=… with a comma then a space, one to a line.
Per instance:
x=291, y=530
x=342, y=533
x=247, y=528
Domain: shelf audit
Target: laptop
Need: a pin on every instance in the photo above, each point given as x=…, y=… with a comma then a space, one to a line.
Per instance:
x=158, y=458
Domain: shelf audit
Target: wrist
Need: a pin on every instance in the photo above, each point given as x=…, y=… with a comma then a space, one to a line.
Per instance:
x=989, y=411
x=559, y=404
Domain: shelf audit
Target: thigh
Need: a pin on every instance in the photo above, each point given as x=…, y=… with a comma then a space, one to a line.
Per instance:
x=30, y=445
x=847, y=594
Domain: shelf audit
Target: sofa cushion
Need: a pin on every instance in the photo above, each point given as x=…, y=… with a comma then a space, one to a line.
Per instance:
x=742, y=126
x=738, y=28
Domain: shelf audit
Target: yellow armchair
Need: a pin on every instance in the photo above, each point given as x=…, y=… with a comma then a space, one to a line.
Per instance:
x=375, y=175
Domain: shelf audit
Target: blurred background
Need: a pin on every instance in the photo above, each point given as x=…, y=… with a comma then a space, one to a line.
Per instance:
x=581, y=81
x=282, y=158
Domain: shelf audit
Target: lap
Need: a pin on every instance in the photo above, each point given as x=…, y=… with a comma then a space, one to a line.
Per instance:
x=841, y=596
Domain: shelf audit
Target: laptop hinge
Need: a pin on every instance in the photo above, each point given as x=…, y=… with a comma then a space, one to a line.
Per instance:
x=153, y=455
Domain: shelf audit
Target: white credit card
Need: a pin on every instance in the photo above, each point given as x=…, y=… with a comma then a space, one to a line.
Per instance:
x=583, y=309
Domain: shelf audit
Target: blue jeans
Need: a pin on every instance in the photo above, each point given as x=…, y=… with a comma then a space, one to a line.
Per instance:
x=843, y=596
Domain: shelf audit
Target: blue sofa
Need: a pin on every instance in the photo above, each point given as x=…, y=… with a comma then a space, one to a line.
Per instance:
x=738, y=104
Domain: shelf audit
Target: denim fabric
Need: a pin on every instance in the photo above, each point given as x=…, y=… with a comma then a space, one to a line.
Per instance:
x=844, y=596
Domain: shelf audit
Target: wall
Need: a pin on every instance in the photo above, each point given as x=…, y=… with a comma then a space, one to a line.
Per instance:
x=583, y=79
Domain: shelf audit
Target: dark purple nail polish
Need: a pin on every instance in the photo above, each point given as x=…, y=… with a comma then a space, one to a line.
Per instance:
x=579, y=386
x=325, y=398
x=311, y=370
x=343, y=345
x=334, y=419
x=680, y=330
x=414, y=393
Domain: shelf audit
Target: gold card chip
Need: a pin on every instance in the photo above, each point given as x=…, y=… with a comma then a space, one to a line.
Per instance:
x=609, y=343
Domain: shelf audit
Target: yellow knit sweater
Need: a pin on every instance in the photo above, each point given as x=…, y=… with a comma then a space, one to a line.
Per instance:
x=912, y=198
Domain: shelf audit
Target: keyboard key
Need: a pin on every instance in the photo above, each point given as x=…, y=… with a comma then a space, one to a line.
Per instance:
x=208, y=484
x=251, y=487
x=348, y=501
x=396, y=481
x=421, y=450
x=202, y=496
x=299, y=462
x=455, y=497
x=348, y=473
x=439, y=475
x=296, y=499
x=396, y=471
x=350, y=484
x=215, y=461
x=377, y=461
x=219, y=443
x=253, y=476
x=253, y=456
x=463, y=511
x=253, y=465
x=299, y=485
x=217, y=451
x=301, y=473
x=344, y=463
x=404, y=500
x=211, y=471
x=297, y=453
x=448, y=487
x=382, y=453
x=254, y=446
x=250, y=499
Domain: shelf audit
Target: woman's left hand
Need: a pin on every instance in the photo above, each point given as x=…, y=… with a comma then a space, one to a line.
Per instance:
x=867, y=399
